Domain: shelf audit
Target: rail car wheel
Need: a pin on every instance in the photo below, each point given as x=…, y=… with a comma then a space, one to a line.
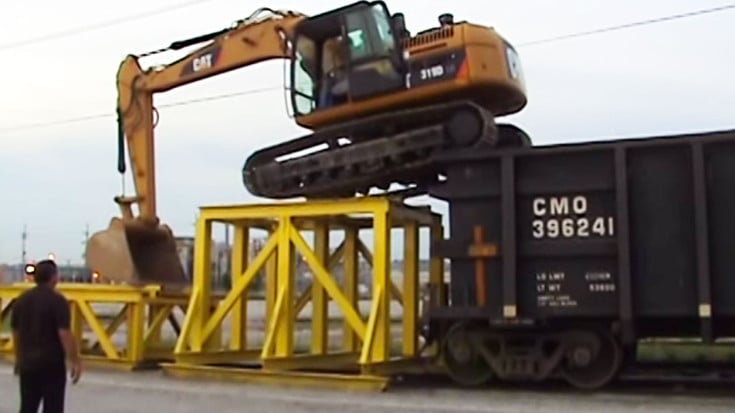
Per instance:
x=464, y=363
x=593, y=359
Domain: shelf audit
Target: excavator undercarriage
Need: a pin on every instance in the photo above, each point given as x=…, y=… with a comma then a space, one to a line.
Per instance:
x=396, y=147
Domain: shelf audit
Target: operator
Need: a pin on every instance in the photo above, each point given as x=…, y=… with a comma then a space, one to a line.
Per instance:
x=334, y=67
x=41, y=337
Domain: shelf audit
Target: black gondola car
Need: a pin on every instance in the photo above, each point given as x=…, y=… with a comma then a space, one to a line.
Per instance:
x=563, y=256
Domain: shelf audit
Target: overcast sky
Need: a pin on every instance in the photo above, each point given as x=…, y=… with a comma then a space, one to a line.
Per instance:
x=663, y=78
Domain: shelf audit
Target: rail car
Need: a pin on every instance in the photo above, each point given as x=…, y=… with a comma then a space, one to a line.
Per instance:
x=564, y=256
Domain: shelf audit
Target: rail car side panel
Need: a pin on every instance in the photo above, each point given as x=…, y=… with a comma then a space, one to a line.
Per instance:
x=633, y=229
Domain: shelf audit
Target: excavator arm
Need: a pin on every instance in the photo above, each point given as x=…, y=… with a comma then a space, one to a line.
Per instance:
x=250, y=41
x=139, y=250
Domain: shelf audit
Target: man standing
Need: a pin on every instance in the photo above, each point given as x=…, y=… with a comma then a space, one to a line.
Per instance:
x=42, y=337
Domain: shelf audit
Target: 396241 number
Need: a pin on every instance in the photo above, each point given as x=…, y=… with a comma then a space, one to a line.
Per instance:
x=573, y=227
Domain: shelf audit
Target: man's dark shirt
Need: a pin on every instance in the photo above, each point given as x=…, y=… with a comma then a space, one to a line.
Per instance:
x=37, y=315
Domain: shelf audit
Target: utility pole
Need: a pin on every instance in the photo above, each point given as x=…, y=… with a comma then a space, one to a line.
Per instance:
x=23, y=238
x=84, y=243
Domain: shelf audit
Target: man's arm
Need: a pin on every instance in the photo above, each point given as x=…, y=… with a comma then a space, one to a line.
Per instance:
x=68, y=341
x=14, y=326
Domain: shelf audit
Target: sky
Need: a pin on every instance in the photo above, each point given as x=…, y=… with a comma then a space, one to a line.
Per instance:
x=670, y=77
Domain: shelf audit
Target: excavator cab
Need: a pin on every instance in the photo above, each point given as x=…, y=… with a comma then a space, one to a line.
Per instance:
x=345, y=55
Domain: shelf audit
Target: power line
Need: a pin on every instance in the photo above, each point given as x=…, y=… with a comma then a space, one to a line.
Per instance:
x=110, y=115
x=100, y=25
x=248, y=92
x=629, y=25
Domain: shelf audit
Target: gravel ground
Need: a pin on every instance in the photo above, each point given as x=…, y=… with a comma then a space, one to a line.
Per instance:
x=150, y=392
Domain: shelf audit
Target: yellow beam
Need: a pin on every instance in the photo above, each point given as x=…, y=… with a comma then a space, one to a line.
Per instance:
x=380, y=348
x=136, y=331
x=286, y=265
x=351, y=271
x=239, y=262
x=328, y=282
x=305, y=297
x=410, y=289
x=192, y=310
x=110, y=351
x=319, y=298
x=202, y=279
x=154, y=328
x=238, y=289
x=219, y=357
x=273, y=326
x=394, y=291
x=278, y=378
x=114, y=325
x=369, y=340
x=314, y=208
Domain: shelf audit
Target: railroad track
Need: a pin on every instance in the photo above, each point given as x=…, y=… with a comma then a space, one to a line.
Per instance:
x=643, y=378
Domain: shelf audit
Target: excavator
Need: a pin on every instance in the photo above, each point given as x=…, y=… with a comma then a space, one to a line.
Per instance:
x=381, y=105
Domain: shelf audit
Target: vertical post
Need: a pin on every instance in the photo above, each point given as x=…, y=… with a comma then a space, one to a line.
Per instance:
x=271, y=282
x=410, y=288
x=319, y=298
x=380, y=350
x=352, y=271
x=622, y=228
x=285, y=278
x=701, y=229
x=238, y=264
x=202, y=279
x=136, y=327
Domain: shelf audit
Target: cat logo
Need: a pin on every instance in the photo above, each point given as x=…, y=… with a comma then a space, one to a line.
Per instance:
x=202, y=62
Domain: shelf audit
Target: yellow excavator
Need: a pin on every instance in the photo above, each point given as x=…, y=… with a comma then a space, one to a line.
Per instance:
x=382, y=107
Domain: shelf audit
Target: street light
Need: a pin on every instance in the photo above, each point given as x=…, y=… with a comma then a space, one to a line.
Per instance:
x=51, y=256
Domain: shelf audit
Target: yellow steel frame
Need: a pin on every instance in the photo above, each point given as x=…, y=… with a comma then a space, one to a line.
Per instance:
x=144, y=311
x=366, y=342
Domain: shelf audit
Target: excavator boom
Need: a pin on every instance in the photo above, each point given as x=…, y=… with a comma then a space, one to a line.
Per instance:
x=138, y=249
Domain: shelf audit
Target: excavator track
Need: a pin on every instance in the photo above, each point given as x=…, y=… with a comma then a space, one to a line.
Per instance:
x=397, y=147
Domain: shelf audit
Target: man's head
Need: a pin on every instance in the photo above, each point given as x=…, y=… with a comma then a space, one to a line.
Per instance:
x=47, y=273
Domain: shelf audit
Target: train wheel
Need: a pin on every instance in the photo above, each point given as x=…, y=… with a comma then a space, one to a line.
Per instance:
x=465, y=365
x=593, y=359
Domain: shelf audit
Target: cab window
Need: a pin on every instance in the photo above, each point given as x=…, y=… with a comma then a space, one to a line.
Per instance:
x=370, y=33
x=385, y=31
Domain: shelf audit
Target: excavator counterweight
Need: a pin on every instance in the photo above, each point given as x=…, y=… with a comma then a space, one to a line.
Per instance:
x=381, y=106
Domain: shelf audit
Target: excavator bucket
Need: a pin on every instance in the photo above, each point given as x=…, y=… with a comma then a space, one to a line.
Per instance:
x=132, y=252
